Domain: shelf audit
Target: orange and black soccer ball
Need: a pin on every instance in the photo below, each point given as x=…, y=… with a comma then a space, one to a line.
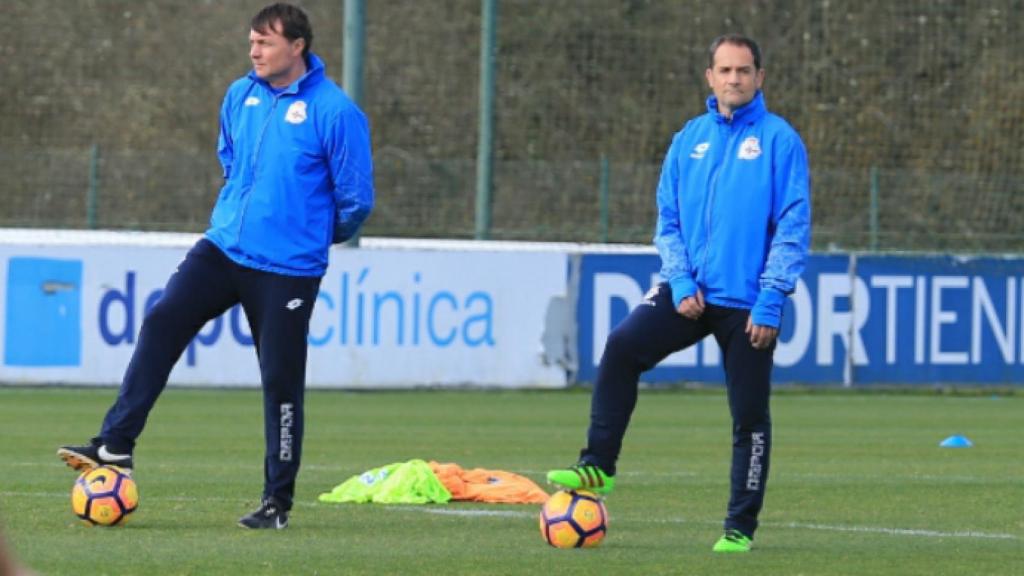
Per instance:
x=574, y=519
x=104, y=496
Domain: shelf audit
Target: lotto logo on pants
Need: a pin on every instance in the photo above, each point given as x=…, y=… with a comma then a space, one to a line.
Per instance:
x=287, y=419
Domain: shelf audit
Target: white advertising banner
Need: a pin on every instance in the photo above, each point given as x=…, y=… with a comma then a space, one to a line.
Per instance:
x=383, y=318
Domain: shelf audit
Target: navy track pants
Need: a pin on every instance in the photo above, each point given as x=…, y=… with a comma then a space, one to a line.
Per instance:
x=278, y=308
x=650, y=333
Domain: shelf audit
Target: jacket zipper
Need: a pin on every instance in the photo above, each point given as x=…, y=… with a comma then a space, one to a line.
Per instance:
x=255, y=155
x=711, y=200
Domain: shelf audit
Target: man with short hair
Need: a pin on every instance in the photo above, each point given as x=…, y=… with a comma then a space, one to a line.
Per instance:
x=733, y=234
x=298, y=176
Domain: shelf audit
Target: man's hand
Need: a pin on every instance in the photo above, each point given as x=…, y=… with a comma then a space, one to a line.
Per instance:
x=692, y=306
x=761, y=337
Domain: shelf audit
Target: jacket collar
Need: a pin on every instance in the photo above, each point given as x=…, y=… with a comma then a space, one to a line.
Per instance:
x=314, y=73
x=745, y=114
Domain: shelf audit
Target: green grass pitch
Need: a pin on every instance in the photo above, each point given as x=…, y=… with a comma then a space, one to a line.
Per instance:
x=858, y=485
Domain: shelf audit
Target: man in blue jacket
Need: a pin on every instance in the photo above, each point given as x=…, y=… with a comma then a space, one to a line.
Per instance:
x=733, y=233
x=298, y=176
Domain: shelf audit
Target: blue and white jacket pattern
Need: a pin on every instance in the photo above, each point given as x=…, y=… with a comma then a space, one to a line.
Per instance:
x=298, y=173
x=734, y=210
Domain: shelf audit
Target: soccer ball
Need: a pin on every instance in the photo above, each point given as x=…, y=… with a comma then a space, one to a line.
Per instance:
x=104, y=496
x=573, y=519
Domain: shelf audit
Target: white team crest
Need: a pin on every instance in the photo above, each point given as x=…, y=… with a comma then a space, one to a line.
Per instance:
x=749, y=149
x=296, y=113
x=252, y=101
x=700, y=150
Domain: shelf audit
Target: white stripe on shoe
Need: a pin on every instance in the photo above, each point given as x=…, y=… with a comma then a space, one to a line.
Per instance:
x=108, y=456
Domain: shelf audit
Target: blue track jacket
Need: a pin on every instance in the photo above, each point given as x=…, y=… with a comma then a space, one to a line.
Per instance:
x=734, y=210
x=297, y=169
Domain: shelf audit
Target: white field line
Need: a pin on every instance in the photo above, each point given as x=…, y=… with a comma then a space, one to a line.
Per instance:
x=898, y=531
x=793, y=525
x=480, y=513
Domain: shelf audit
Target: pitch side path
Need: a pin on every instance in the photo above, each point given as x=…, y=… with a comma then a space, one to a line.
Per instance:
x=859, y=484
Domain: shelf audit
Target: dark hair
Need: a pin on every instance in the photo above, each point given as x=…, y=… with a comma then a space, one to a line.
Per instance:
x=735, y=40
x=294, y=23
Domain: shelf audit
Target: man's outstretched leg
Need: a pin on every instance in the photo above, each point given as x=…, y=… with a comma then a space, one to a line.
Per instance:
x=198, y=291
x=652, y=331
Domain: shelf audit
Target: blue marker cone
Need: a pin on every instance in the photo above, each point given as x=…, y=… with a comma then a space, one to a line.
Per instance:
x=956, y=441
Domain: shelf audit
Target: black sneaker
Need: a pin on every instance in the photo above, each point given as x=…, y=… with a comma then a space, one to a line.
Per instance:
x=94, y=455
x=270, y=514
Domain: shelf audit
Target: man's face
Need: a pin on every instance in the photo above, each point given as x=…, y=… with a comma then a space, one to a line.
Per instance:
x=275, y=58
x=733, y=78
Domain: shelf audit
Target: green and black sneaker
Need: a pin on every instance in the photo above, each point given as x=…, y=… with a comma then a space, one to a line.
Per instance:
x=733, y=541
x=582, y=476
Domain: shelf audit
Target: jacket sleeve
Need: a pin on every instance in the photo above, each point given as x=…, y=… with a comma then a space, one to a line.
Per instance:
x=790, y=231
x=225, y=149
x=351, y=165
x=668, y=236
